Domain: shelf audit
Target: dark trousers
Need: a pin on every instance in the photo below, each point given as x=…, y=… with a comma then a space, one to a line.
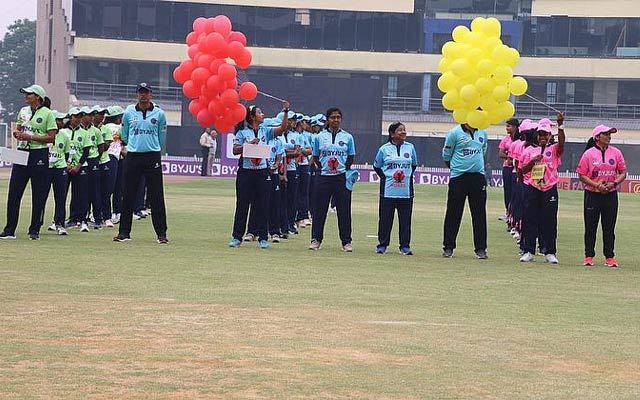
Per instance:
x=252, y=188
x=325, y=188
x=140, y=204
x=303, y=192
x=79, y=207
x=275, y=198
x=204, y=152
x=149, y=166
x=36, y=171
x=516, y=204
x=313, y=172
x=506, y=185
x=290, y=202
x=474, y=187
x=386, y=212
x=600, y=208
x=540, y=220
x=108, y=174
x=118, y=188
x=60, y=183
x=95, y=193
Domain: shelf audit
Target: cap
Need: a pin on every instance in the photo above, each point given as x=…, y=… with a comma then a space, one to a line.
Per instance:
x=99, y=109
x=144, y=85
x=602, y=129
x=75, y=111
x=513, y=122
x=271, y=122
x=86, y=110
x=115, y=110
x=35, y=89
x=280, y=116
x=545, y=125
x=527, y=124
x=58, y=114
x=352, y=176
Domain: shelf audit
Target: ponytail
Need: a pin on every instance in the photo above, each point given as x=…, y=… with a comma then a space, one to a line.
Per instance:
x=46, y=102
x=590, y=143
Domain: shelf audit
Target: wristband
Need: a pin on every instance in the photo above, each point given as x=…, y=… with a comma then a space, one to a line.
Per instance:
x=561, y=126
x=285, y=110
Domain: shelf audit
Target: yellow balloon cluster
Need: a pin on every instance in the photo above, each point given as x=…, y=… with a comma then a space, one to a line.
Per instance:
x=477, y=75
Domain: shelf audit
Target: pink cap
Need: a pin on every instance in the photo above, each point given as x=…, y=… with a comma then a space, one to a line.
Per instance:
x=601, y=129
x=527, y=124
x=545, y=125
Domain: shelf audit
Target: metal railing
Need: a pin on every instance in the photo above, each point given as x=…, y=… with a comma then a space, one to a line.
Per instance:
x=115, y=92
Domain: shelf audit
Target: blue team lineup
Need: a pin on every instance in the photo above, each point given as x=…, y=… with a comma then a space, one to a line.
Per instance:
x=109, y=160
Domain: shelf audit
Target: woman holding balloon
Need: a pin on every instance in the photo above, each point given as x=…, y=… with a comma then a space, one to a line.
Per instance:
x=253, y=181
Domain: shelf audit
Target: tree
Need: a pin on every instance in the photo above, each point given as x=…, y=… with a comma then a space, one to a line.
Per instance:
x=17, y=65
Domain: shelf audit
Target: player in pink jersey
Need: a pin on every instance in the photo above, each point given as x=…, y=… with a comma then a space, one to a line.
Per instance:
x=511, y=127
x=540, y=174
x=602, y=168
x=516, y=204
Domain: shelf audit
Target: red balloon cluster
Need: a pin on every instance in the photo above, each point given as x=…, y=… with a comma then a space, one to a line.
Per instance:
x=208, y=78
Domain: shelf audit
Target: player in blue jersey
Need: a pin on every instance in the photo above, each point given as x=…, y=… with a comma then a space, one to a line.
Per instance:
x=395, y=163
x=334, y=152
x=144, y=130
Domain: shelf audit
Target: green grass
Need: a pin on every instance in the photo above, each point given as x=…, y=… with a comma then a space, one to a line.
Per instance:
x=83, y=317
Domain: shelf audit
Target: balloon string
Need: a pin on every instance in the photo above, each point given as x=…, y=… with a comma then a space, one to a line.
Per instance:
x=271, y=96
x=543, y=103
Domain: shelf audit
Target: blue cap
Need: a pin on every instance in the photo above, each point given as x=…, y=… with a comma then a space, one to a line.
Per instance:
x=352, y=176
x=271, y=122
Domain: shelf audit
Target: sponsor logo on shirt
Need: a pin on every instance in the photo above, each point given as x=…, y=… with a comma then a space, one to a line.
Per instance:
x=406, y=155
x=341, y=143
x=39, y=120
x=481, y=139
x=548, y=154
x=470, y=152
x=333, y=163
x=154, y=121
x=399, y=176
x=611, y=161
x=60, y=145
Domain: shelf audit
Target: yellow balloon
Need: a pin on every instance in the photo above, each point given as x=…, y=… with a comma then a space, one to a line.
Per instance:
x=478, y=24
x=495, y=117
x=448, y=49
x=513, y=57
x=506, y=110
x=501, y=93
x=501, y=54
x=492, y=27
x=459, y=33
x=469, y=94
x=460, y=115
x=502, y=74
x=461, y=67
x=490, y=44
x=478, y=119
x=484, y=85
x=487, y=103
x=447, y=81
x=475, y=39
x=485, y=67
x=474, y=55
x=451, y=100
x=518, y=86
x=444, y=65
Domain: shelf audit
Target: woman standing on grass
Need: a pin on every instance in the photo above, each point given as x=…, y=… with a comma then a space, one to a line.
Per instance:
x=253, y=181
x=602, y=169
x=395, y=163
x=36, y=128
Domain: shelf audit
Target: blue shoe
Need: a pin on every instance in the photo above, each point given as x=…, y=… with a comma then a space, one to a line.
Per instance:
x=264, y=244
x=381, y=249
x=406, y=251
x=235, y=243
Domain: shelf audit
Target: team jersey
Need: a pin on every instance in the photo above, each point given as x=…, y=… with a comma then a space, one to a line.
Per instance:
x=143, y=131
x=515, y=150
x=264, y=134
x=397, y=162
x=333, y=150
x=504, y=145
x=544, y=174
x=37, y=124
x=276, y=150
x=601, y=166
x=95, y=139
x=79, y=140
x=305, y=144
x=115, y=147
x=465, y=152
x=107, y=136
x=59, y=149
x=290, y=140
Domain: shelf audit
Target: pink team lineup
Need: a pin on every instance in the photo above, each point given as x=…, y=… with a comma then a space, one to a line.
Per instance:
x=109, y=156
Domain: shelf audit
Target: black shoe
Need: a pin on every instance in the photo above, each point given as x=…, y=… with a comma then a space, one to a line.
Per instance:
x=7, y=236
x=447, y=253
x=122, y=238
x=34, y=236
x=481, y=255
x=163, y=240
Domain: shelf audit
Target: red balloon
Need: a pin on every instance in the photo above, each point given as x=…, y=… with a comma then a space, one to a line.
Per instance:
x=204, y=118
x=190, y=89
x=238, y=112
x=248, y=91
x=227, y=72
x=229, y=98
x=192, y=38
x=178, y=75
x=244, y=60
x=223, y=25
x=235, y=49
x=216, y=84
x=188, y=66
x=193, y=50
x=215, y=42
x=200, y=75
x=215, y=65
x=215, y=108
x=195, y=106
x=205, y=60
x=210, y=25
x=223, y=126
x=237, y=37
x=198, y=25
x=232, y=83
